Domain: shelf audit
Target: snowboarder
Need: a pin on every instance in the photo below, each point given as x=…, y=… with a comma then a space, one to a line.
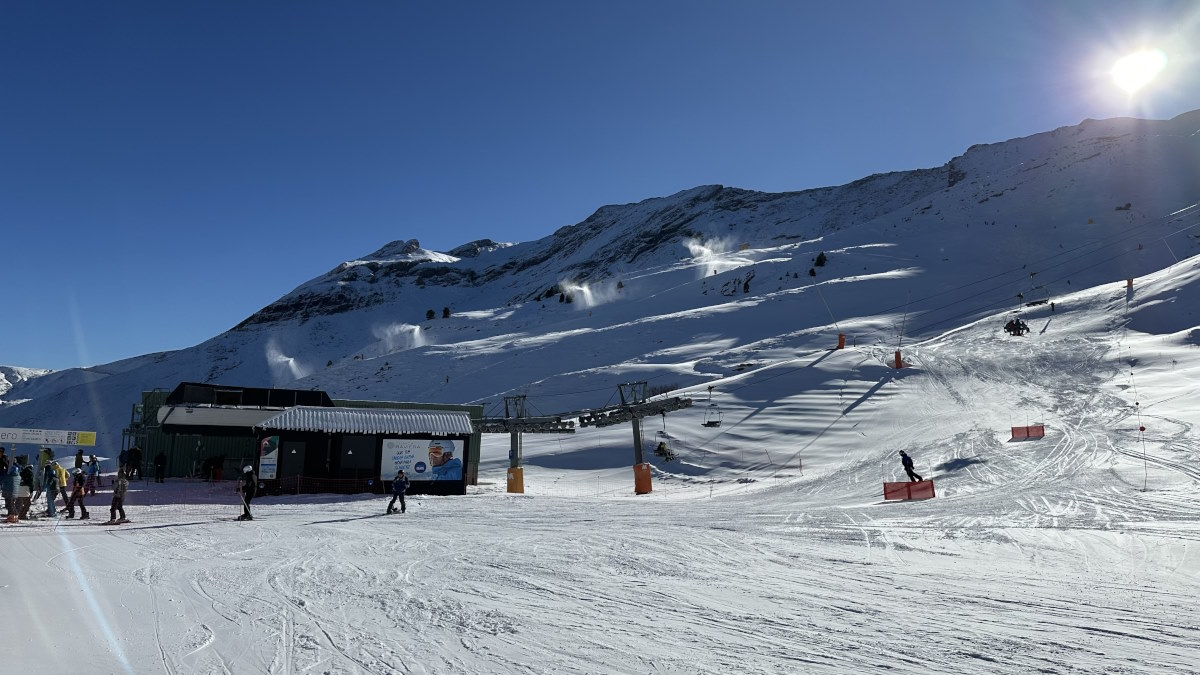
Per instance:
x=908, y=468
x=77, y=492
x=399, y=487
x=247, y=486
x=118, y=500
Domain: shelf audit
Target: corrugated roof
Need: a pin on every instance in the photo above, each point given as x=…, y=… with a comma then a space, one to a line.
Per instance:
x=370, y=421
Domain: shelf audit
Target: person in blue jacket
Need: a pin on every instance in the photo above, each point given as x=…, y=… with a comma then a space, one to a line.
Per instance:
x=399, y=486
x=907, y=461
x=50, y=488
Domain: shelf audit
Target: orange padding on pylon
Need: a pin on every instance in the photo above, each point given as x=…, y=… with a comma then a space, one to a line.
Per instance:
x=918, y=490
x=1035, y=431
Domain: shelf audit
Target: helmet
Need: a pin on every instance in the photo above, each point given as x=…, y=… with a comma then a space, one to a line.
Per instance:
x=247, y=469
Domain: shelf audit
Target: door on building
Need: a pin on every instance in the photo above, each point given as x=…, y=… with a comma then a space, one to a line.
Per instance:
x=291, y=459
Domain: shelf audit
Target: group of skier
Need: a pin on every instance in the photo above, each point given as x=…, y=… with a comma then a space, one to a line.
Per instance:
x=24, y=485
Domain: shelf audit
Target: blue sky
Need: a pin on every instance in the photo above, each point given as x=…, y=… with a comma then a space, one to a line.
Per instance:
x=166, y=169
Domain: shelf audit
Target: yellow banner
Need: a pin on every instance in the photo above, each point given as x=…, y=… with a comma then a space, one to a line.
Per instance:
x=47, y=437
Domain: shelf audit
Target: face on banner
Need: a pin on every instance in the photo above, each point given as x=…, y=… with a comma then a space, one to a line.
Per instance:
x=268, y=457
x=422, y=459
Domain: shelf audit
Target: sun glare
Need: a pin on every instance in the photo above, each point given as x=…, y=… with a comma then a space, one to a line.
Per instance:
x=1135, y=71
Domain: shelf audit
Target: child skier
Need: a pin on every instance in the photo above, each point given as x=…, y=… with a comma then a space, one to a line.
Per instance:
x=118, y=500
x=399, y=486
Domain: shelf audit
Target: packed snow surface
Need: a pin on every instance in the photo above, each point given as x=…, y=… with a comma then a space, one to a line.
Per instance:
x=765, y=547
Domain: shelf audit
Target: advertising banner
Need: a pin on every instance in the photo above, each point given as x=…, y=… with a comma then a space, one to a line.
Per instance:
x=47, y=437
x=268, y=458
x=422, y=459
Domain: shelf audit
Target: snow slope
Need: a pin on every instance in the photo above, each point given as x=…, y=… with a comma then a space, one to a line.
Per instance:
x=766, y=546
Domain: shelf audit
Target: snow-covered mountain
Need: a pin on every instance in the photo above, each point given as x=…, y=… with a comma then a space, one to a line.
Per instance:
x=703, y=284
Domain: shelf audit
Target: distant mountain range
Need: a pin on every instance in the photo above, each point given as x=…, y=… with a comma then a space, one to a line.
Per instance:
x=699, y=285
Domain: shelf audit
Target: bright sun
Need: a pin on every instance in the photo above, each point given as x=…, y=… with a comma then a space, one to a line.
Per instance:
x=1137, y=70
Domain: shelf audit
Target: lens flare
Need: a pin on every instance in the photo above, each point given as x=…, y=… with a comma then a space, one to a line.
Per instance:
x=1135, y=71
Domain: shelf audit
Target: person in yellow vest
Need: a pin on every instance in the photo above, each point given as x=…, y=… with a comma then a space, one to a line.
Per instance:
x=62, y=481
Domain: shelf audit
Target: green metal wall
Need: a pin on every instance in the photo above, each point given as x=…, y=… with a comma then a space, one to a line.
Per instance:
x=184, y=457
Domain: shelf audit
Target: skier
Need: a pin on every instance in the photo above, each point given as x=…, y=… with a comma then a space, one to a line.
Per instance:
x=24, y=487
x=399, y=486
x=160, y=467
x=77, y=492
x=908, y=468
x=9, y=481
x=50, y=488
x=247, y=486
x=79, y=458
x=44, y=457
x=118, y=500
x=63, y=480
x=93, y=475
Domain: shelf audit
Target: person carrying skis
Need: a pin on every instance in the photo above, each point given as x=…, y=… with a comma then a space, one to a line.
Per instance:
x=118, y=500
x=247, y=486
x=908, y=468
x=50, y=488
x=77, y=491
x=399, y=487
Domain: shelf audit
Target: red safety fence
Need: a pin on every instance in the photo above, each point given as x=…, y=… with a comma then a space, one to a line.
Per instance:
x=1035, y=431
x=918, y=490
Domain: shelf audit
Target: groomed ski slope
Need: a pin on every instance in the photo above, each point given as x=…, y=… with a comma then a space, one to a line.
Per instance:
x=765, y=548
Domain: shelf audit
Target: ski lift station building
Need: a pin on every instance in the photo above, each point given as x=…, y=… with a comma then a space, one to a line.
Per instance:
x=304, y=441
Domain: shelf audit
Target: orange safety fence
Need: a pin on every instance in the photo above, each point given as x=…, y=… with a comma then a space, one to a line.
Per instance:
x=1034, y=431
x=909, y=490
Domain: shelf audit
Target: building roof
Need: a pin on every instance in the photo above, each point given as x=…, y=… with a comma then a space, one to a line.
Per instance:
x=192, y=419
x=370, y=421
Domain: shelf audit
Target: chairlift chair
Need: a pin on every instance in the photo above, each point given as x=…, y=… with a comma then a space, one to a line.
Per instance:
x=662, y=445
x=712, y=415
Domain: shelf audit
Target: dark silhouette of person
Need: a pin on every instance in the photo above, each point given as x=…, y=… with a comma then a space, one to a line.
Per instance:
x=399, y=487
x=907, y=461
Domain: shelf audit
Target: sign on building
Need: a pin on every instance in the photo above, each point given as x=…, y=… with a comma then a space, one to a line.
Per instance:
x=47, y=437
